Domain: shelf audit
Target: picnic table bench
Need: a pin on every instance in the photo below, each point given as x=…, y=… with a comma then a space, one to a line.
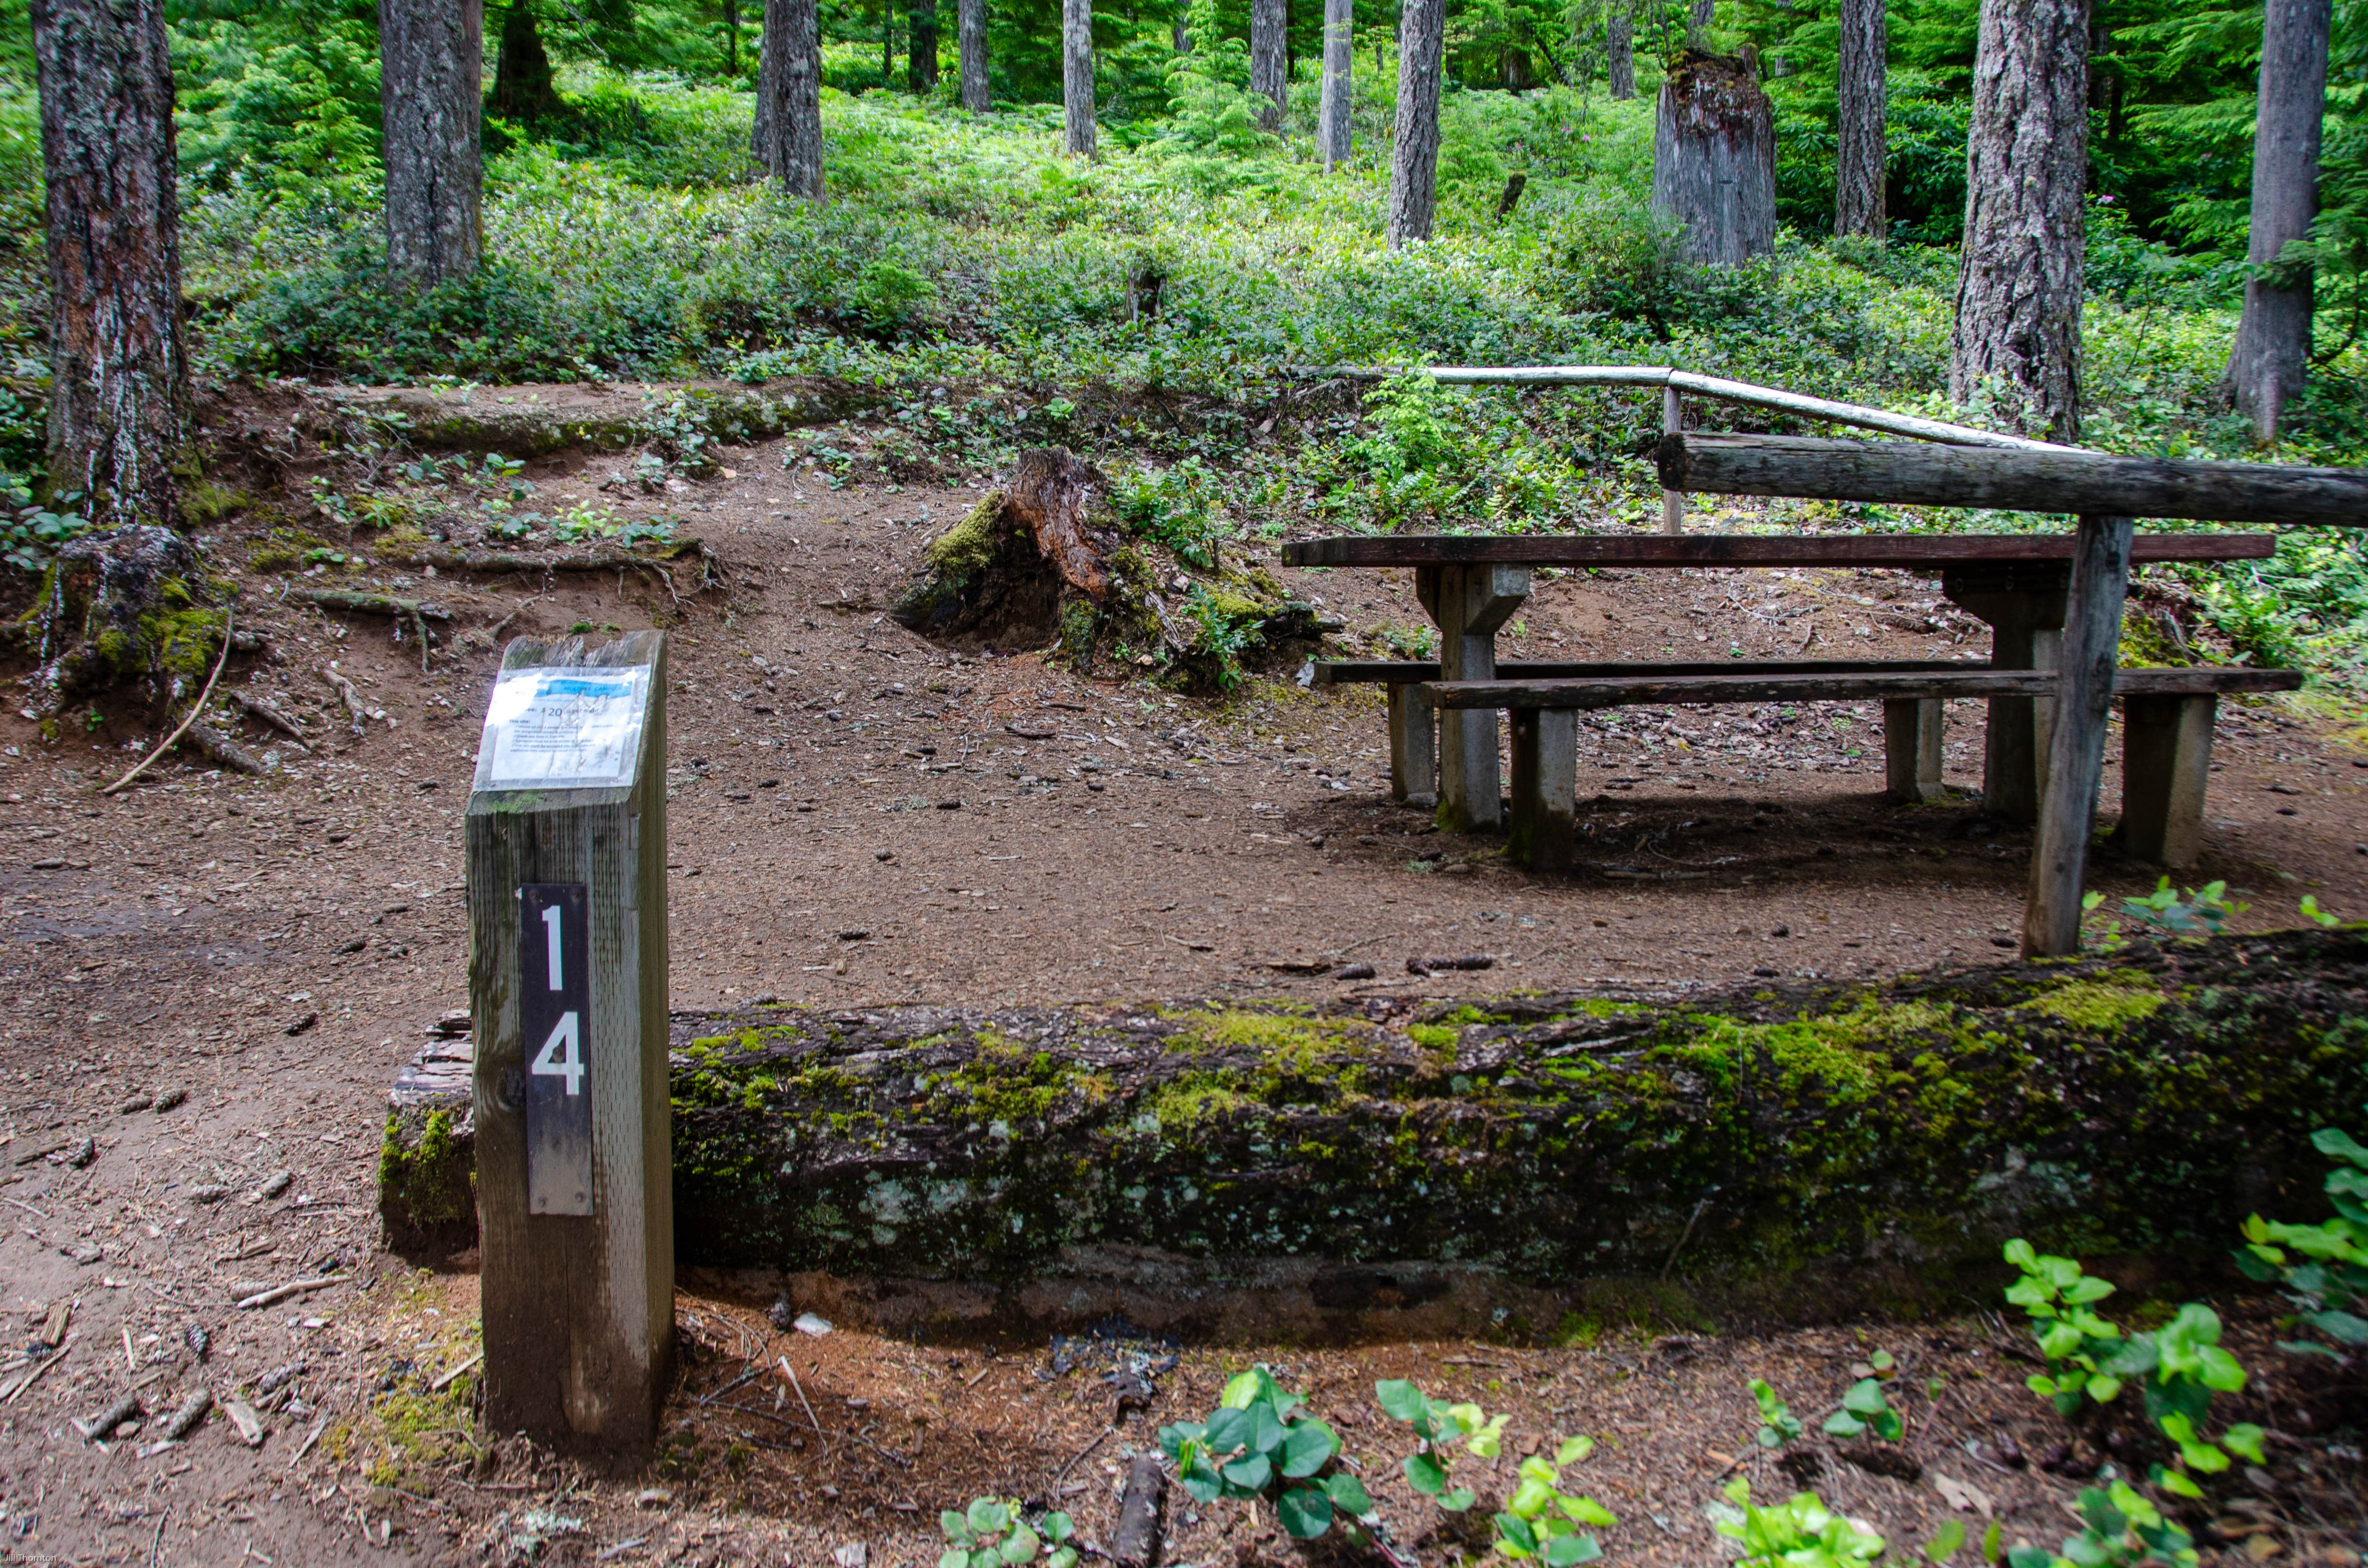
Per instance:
x=2018, y=583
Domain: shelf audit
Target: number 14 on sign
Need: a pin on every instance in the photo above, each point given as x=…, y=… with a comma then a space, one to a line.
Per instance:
x=553, y=1009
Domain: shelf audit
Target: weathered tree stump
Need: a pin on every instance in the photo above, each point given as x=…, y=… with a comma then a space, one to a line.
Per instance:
x=131, y=606
x=1715, y=159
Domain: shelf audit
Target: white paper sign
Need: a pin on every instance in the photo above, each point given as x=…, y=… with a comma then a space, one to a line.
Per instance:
x=563, y=727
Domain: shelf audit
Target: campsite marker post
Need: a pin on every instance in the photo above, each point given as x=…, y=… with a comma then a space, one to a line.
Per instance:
x=567, y=984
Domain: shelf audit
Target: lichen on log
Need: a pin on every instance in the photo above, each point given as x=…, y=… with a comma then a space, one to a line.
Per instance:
x=129, y=605
x=2145, y=1100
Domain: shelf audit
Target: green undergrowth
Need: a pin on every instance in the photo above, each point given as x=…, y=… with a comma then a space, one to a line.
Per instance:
x=2144, y=1103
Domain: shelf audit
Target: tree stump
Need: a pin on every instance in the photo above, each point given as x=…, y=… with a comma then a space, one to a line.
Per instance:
x=129, y=605
x=1715, y=159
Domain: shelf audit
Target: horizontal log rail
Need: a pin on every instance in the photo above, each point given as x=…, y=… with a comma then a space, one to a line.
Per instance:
x=1678, y=689
x=1402, y=671
x=1905, y=552
x=2060, y=480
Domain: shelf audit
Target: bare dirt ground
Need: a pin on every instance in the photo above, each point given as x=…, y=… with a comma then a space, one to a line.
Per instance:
x=859, y=817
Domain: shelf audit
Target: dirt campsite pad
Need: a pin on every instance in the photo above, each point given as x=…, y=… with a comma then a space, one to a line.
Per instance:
x=214, y=978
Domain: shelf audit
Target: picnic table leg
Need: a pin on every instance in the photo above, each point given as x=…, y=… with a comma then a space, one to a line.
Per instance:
x=1912, y=735
x=1414, y=745
x=2026, y=612
x=2067, y=807
x=2166, y=765
x=1469, y=603
x=1545, y=789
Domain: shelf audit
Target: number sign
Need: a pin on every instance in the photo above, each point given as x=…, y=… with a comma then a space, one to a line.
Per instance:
x=554, y=1019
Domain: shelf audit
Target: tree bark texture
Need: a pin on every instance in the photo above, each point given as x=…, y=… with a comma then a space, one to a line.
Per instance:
x=2271, y=356
x=118, y=388
x=1332, y=108
x=1858, y=152
x=1715, y=159
x=970, y=20
x=2019, y=275
x=1698, y=14
x=1077, y=76
x=789, y=98
x=1620, y=53
x=1270, y=59
x=1414, y=155
x=921, y=54
x=523, y=90
x=431, y=70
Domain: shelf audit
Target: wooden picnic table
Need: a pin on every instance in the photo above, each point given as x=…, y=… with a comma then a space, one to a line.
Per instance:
x=1470, y=585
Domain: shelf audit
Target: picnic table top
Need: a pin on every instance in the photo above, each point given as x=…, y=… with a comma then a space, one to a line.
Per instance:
x=1906, y=551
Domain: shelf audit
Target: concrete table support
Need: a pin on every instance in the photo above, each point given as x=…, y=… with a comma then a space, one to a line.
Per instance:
x=1912, y=748
x=1544, y=830
x=1469, y=603
x=2166, y=764
x=2024, y=603
x=1414, y=745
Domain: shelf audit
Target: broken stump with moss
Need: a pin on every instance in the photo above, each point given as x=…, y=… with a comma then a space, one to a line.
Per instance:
x=1046, y=562
x=1878, y=1141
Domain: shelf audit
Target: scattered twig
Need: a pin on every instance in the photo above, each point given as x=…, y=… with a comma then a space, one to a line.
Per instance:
x=309, y=1438
x=756, y=1371
x=256, y=707
x=1063, y=1473
x=195, y=708
x=1684, y=1236
x=449, y=1379
x=889, y=1454
x=35, y=1376
x=356, y=708
x=791, y=1373
x=156, y=1546
x=294, y=1287
x=219, y=747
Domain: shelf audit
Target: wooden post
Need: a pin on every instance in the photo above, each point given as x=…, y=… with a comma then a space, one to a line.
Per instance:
x=1414, y=745
x=2024, y=604
x=1544, y=828
x=2166, y=765
x=1673, y=502
x=2067, y=809
x=1469, y=603
x=567, y=983
x=1912, y=755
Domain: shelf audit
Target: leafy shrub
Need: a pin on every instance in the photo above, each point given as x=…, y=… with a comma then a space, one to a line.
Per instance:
x=1181, y=508
x=992, y=1533
x=1438, y=1427
x=1260, y=1443
x=2176, y=1369
x=1800, y=1532
x=2119, y=1530
x=1542, y=1520
x=2330, y=1285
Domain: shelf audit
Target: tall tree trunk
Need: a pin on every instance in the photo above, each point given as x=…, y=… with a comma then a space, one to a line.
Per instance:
x=431, y=63
x=789, y=98
x=2019, y=275
x=1269, y=71
x=1077, y=76
x=1332, y=107
x=970, y=20
x=2271, y=356
x=887, y=41
x=1414, y=155
x=1858, y=152
x=1620, y=53
x=1715, y=159
x=119, y=374
x=523, y=88
x=1698, y=15
x=921, y=47
x=731, y=37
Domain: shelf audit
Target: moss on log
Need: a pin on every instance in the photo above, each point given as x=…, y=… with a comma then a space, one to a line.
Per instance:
x=2145, y=1100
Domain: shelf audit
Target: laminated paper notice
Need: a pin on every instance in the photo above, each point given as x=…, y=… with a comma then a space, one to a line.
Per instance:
x=563, y=727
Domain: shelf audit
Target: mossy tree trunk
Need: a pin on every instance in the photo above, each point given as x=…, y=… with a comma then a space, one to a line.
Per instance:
x=119, y=387
x=1715, y=159
x=523, y=89
x=921, y=56
x=1620, y=53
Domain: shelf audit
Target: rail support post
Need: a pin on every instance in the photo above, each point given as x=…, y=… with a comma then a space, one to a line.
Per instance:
x=2165, y=767
x=1469, y=603
x=2076, y=758
x=1545, y=829
x=2025, y=605
x=1912, y=753
x=567, y=982
x=1413, y=744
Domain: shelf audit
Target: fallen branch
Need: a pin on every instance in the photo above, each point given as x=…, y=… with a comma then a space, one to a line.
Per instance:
x=294, y=1287
x=558, y=560
x=355, y=708
x=456, y=1374
x=220, y=748
x=196, y=708
x=256, y=707
x=370, y=604
x=35, y=1376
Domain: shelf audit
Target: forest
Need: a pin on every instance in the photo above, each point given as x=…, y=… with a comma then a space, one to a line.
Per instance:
x=871, y=782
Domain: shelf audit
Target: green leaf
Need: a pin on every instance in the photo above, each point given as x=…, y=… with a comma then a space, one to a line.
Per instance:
x=2087, y=1288
x=1250, y=1474
x=1574, y=1449
x=2177, y=1482
x=2020, y=1254
x=956, y=1527
x=1201, y=1481
x=1881, y=1361
x=2338, y=1144
x=1947, y=1541
x=1530, y=1498
x=1588, y=1511
x=1400, y=1399
x=1887, y=1425
x=1564, y=1550
x=1864, y=1398
x=2221, y=1370
x=957, y=1558
x=1265, y=1433
x=1426, y=1475
x=1842, y=1424
x=2244, y=1439
x=2102, y=1387
x=1991, y=1540
x=1347, y=1493
x=987, y=1516
x=1244, y=1389
x=1057, y=1528
x=1173, y=1438
x=1229, y=1431
x=1306, y=1512
x=985, y=1557
x=1457, y=1501
x=1515, y=1530
x=1307, y=1447
x=1064, y=1556
x=1021, y=1546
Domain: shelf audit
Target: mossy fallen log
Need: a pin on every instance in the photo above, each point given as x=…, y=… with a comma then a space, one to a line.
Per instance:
x=589, y=420
x=2145, y=1100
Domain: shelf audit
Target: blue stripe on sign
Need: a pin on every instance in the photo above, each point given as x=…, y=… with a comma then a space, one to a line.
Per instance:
x=588, y=688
